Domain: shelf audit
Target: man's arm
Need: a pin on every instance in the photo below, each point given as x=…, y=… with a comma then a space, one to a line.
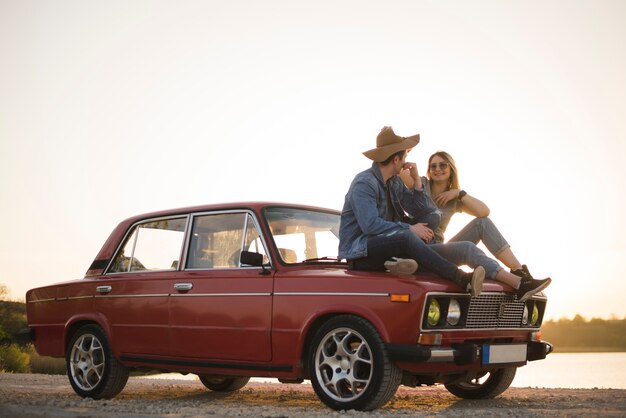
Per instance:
x=363, y=200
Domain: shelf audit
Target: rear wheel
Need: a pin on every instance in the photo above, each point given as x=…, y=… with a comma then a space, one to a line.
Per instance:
x=487, y=386
x=349, y=366
x=223, y=384
x=92, y=368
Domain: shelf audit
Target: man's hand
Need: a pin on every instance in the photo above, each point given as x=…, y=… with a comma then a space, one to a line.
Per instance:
x=422, y=231
x=412, y=168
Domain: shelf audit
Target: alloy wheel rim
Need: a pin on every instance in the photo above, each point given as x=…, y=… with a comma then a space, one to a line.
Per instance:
x=87, y=361
x=344, y=365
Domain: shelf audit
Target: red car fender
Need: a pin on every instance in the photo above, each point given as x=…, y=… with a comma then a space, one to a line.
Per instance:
x=76, y=321
x=335, y=310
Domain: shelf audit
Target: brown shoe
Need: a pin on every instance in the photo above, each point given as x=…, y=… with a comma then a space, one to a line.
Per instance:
x=474, y=281
x=401, y=265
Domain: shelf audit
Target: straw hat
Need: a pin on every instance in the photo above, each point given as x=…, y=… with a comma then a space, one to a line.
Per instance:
x=388, y=143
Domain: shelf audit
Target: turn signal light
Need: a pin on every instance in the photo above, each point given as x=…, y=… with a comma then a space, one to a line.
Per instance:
x=429, y=339
x=400, y=298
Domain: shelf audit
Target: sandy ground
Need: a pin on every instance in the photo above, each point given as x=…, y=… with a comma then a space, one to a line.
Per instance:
x=32, y=395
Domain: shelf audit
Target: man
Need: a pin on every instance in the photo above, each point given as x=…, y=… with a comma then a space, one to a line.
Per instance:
x=375, y=232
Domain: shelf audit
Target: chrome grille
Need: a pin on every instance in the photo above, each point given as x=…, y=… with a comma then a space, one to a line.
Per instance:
x=494, y=310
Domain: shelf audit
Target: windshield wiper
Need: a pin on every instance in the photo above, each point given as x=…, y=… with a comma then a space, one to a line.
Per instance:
x=325, y=258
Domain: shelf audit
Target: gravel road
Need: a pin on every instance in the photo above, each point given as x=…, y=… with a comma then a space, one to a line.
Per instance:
x=32, y=395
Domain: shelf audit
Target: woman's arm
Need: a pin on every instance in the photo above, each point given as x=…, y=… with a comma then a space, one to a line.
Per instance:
x=473, y=206
x=469, y=204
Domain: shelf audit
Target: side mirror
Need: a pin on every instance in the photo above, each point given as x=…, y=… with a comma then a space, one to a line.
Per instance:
x=253, y=259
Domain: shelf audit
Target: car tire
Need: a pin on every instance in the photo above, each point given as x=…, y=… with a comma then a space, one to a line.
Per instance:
x=92, y=369
x=495, y=383
x=349, y=366
x=223, y=384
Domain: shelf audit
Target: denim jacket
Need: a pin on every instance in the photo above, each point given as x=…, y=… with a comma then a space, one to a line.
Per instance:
x=367, y=212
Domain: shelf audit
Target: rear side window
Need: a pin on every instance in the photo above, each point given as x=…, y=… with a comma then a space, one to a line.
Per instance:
x=154, y=245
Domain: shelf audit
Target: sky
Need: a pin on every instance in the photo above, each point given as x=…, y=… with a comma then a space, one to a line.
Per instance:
x=109, y=109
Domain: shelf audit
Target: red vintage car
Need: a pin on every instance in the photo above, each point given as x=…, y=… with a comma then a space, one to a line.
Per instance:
x=234, y=291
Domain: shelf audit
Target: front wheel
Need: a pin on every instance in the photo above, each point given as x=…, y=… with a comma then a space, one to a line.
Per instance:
x=349, y=366
x=93, y=370
x=488, y=386
x=223, y=384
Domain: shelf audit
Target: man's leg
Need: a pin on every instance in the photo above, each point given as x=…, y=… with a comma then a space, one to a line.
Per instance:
x=405, y=244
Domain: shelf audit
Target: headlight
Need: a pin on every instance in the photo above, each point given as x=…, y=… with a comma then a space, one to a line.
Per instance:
x=525, y=315
x=535, y=316
x=454, y=312
x=434, y=313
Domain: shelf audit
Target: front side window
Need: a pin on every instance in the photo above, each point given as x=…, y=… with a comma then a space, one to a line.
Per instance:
x=154, y=245
x=218, y=239
x=304, y=235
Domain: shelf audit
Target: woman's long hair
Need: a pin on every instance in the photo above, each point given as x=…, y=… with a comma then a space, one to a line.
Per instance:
x=453, y=181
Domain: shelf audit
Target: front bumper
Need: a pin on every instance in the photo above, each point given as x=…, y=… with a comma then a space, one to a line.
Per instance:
x=462, y=354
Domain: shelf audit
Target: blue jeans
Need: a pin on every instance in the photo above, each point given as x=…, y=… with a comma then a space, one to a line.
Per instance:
x=441, y=259
x=483, y=229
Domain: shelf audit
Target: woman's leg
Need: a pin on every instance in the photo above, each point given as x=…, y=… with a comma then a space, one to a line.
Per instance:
x=511, y=279
x=508, y=259
x=483, y=229
x=468, y=254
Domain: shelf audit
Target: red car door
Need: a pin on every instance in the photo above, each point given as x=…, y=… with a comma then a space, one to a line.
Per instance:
x=225, y=314
x=222, y=310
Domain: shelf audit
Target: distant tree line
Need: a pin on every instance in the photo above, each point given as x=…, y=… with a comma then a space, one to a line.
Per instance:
x=581, y=335
x=13, y=357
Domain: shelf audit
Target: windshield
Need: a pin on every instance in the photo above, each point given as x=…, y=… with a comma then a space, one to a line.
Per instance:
x=304, y=235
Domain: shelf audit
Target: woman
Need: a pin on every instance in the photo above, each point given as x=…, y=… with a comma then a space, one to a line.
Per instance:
x=443, y=186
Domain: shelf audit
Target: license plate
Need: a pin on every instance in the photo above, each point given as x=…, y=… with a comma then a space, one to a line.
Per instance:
x=505, y=353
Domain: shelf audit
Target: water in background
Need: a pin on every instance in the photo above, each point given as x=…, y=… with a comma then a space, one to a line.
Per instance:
x=567, y=370
x=574, y=370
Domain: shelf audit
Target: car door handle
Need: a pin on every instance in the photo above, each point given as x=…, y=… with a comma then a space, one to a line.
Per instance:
x=104, y=289
x=183, y=287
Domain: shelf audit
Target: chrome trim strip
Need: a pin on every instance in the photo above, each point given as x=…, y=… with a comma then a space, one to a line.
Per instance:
x=42, y=300
x=329, y=294
x=141, y=271
x=221, y=294
x=467, y=295
x=446, y=330
x=219, y=269
x=155, y=295
x=441, y=355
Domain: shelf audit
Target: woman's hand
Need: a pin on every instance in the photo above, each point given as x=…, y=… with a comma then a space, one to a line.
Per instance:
x=443, y=198
x=422, y=231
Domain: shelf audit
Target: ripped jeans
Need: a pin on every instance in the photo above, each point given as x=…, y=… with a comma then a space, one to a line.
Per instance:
x=441, y=259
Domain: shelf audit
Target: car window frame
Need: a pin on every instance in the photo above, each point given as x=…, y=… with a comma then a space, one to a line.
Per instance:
x=256, y=225
x=131, y=230
x=275, y=247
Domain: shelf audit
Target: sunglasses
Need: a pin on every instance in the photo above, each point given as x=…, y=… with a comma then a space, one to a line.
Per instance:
x=442, y=166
